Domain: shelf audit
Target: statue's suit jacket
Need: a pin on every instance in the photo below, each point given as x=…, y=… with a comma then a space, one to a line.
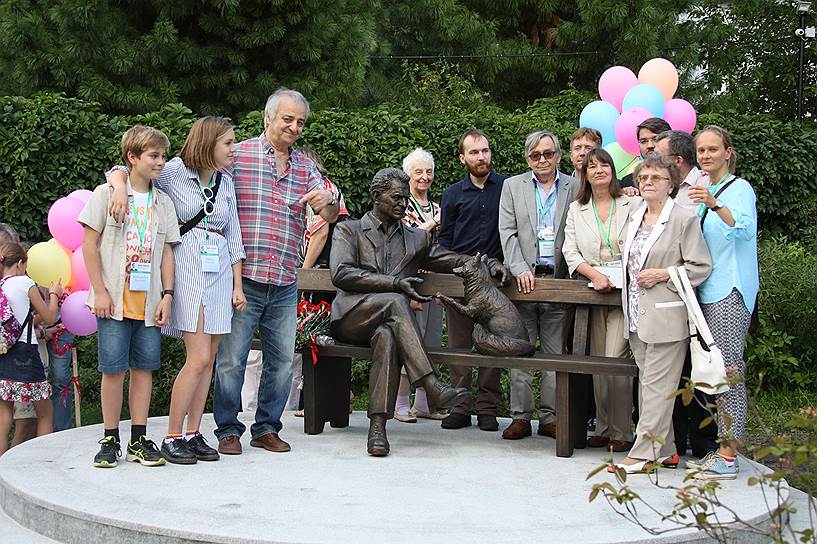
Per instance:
x=356, y=261
x=517, y=222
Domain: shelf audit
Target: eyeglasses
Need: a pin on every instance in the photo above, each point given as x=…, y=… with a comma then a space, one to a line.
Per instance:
x=536, y=156
x=209, y=205
x=645, y=141
x=652, y=179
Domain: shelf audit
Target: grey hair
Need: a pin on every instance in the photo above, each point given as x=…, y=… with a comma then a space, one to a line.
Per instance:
x=418, y=155
x=383, y=180
x=534, y=138
x=271, y=109
x=681, y=144
x=8, y=232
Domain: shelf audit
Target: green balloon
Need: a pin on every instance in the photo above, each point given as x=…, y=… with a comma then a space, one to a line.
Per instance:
x=624, y=162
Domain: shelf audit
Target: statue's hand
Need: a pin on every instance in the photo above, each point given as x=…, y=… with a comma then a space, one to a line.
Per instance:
x=406, y=285
x=499, y=271
x=445, y=299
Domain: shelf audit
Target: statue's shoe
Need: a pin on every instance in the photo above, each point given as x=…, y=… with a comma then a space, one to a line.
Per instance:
x=445, y=397
x=378, y=444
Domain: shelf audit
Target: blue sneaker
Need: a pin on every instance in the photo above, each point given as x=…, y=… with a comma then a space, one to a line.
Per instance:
x=696, y=464
x=717, y=468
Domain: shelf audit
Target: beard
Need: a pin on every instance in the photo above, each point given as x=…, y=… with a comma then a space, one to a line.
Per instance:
x=480, y=169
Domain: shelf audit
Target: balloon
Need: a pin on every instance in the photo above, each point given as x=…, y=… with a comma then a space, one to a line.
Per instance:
x=624, y=162
x=62, y=247
x=601, y=116
x=645, y=96
x=81, y=194
x=661, y=73
x=680, y=115
x=626, y=127
x=48, y=263
x=614, y=84
x=62, y=222
x=79, y=275
x=76, y=316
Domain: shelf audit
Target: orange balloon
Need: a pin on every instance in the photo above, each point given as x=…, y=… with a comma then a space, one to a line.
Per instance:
x=661, y=73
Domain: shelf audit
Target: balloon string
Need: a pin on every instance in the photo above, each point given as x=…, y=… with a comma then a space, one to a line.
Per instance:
x=618, y=173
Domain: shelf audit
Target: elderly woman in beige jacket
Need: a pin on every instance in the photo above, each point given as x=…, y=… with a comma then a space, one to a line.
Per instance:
x=659, y=235
x=595, y=232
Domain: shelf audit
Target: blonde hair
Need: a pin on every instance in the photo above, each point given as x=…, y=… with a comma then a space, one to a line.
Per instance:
x=197, y=151
x=726, y=138
x=140, y=138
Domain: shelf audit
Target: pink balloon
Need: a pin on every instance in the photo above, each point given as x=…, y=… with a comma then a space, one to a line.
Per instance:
x=614, y=84
x=76, y=316
x=661, y=73
x=81, y=194
x=79, y=275
x=626, y=127
x=680, y=115
x=62, y=222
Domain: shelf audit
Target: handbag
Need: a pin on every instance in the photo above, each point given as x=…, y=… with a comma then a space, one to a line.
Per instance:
x=708, y=369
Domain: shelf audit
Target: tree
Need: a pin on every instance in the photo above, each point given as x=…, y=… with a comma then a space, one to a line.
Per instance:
x=220, y=56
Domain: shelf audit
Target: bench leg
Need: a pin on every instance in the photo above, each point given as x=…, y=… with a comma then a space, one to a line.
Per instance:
x=580, y=386
x=564, y=427
x=326, y=392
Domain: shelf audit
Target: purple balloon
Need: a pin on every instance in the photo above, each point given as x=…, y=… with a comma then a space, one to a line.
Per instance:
x=626, y=127
x=614, y=84
x=81, y=194
x=680, y=115
x=76, y=316
x=63, y=224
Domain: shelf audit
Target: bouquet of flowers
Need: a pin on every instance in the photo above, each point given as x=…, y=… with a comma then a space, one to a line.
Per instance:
x=313, y=326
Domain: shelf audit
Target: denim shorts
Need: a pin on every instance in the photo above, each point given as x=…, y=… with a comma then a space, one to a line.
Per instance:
x=127, y=344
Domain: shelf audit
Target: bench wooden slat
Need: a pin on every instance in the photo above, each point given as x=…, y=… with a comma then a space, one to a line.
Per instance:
x=545, y=290
x=575, y=364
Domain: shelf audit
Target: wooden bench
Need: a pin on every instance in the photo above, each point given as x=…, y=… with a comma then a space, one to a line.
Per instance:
x=327, y=383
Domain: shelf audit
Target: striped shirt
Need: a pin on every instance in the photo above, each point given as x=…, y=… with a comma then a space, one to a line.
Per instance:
x=272, y=221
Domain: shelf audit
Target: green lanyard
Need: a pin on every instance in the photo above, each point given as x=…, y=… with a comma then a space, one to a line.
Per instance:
x=544, y=208
x=141, y=228
x=606, y=233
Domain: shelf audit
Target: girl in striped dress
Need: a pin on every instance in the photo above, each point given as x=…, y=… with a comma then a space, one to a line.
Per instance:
x=207, y=273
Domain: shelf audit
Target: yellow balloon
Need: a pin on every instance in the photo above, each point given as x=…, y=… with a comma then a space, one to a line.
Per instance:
x=48, y=263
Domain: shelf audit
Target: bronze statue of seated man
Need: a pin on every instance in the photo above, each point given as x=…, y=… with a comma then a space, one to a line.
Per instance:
x=374, y=263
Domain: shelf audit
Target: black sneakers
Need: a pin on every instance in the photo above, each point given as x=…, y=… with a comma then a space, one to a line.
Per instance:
x=108, y=453
x=178, y=452
x=145, y=452
x=203, y=452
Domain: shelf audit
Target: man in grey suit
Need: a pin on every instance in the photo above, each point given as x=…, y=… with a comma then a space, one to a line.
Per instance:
x=532, y=213
x=374, y=263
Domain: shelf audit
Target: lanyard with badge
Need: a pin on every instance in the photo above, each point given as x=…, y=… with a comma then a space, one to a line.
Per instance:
x=612, y=269
x=139, y=271
x=209, y=250
x=547, y=235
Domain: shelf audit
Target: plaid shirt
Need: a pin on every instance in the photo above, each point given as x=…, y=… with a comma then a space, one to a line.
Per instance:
x=271, y=219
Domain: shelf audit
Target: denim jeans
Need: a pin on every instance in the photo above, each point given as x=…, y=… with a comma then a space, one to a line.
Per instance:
x=272, y=308
x=61, y=372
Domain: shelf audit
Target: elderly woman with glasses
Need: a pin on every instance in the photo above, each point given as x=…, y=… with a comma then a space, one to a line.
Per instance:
x=660, y=234
x=207, y=274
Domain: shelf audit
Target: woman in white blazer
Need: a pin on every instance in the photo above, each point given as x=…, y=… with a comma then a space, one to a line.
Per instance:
x=595, y=232
x=659, y=235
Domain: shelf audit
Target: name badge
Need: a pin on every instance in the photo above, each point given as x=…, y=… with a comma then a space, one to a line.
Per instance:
x=547, y=242
x=614, y=270
x=209, y=258
x=139, y=277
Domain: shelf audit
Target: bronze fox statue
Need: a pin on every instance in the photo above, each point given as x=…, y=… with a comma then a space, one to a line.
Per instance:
x=498, y=326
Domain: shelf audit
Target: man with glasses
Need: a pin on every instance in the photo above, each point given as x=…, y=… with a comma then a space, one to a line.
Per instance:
x=646, y=133
x=532, y=213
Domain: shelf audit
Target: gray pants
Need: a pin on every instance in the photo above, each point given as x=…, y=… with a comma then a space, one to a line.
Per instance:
x=548, y=322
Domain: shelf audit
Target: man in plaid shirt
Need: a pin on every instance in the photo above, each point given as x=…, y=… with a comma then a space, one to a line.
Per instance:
x=274, y=184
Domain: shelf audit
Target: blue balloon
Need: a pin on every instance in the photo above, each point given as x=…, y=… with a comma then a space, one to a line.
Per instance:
x=645, y=96
x=601, y=116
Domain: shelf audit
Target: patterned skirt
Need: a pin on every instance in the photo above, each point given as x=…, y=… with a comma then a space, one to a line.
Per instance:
x=12, y=391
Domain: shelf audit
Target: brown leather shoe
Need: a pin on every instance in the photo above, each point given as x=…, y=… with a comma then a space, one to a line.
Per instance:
x=598, y=441
x=621, y=445
x=229, y=445
x=270, y=442
x=519, y=428
x=547, y=429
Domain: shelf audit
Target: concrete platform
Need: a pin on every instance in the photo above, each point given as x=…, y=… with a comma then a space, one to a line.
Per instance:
x=436, y=486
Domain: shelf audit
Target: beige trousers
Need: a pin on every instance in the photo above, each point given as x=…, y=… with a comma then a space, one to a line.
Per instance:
x=659, y=371
x=614, y=399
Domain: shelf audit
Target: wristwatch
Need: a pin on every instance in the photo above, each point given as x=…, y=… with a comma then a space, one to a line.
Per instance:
x=718, y=205
x=167, y=292
x=334, y=199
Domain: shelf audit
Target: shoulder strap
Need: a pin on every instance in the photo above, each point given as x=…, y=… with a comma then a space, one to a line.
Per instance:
x=28, y=322
x=185, y=228
x=722, y=189
x=687, y=293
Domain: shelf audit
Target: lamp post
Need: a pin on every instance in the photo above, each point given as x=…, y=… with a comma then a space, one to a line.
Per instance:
x=803, y=9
